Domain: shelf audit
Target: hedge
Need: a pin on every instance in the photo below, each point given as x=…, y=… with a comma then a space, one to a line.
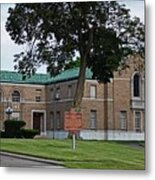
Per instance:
x=23, y=133
x=3, y=134
x=29, y=133
x=13, y=128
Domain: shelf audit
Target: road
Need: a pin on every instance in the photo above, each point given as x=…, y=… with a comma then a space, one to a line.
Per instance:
x=10, y=161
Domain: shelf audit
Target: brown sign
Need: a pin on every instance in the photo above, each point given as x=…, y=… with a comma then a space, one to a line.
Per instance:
x=72, y=121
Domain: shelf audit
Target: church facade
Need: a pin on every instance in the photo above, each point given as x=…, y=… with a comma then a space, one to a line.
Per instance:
x=113, y=111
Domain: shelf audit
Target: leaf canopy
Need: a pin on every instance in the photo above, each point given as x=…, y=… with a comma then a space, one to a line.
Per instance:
x=102, y=33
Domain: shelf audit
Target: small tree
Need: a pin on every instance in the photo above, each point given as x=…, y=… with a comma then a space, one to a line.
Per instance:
x=102, y=33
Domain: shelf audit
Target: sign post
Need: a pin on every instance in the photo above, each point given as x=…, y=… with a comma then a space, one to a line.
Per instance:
x=73, y=141
x=73, y=123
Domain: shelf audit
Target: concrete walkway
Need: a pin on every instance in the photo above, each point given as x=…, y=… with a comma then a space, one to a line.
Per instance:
x=17, y=160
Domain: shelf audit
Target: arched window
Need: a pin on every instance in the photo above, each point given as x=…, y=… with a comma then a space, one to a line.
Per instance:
x=15, y=96
x=136, y=85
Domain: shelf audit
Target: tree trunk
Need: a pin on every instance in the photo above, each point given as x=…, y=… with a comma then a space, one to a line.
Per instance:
x=80, y=85
x=84, y=51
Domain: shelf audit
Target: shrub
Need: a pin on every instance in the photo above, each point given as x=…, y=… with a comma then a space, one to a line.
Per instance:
x=13, y=128
x=29, y=133
x=2, y=134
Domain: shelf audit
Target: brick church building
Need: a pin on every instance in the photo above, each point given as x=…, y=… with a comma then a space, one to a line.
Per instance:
x=113, y=111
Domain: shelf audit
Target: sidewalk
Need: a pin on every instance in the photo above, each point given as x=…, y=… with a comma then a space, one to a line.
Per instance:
x=31, y=158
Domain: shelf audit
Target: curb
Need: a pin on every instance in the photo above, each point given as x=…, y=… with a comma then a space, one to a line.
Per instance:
x=26, y=157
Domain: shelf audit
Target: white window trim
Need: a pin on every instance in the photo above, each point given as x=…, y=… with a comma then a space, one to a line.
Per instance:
x=132, y=86
x=135, y=129
x=126, y=121
x=93, y=92
x=95, y=120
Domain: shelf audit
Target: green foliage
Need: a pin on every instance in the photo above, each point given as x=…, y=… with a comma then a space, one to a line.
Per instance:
x=13, y=128
x=101, y=32
x=106, y=57
x=2, y=134
x=73, y=64
x=13, y=124
x=29, y=133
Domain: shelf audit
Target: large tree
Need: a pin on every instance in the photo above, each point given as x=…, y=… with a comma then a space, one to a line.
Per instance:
x=101, y=33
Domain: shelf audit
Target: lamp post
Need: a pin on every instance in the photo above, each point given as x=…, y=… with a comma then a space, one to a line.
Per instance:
x=8, y=111
x=56, y=99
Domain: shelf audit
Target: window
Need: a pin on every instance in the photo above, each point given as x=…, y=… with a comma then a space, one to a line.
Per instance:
x=136, y=85
x=15, y=96
x=93, y=91
x=123, y=120
x=137, y=121
x=58, y=120
x=51, y=93
x=52, y=119
x=69, y=91
x=38, y=95
x=93, y=119
x=57, y=94
x=38, y=98
x=38, y=90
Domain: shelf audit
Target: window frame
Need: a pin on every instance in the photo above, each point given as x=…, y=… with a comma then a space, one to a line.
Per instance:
x=137, y=128
x=69, y=94
x=136, y=85
x=16, y=98
x=93, y=91
x=38, y=99
x=123, y=120
x=93, y=120
x=57, y=93
x=52, y=93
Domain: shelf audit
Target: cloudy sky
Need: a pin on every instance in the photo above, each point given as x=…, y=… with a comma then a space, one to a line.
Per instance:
x=8, y=48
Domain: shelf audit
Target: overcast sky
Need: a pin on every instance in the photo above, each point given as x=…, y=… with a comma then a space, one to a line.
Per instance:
x=8, y=48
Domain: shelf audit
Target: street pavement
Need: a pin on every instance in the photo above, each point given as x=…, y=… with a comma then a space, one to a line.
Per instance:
x=14, y=160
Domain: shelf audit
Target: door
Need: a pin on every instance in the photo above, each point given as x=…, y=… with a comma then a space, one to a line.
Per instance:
x=37, y=120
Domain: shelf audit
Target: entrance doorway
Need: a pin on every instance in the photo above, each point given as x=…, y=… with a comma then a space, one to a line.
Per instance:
x=39, y=122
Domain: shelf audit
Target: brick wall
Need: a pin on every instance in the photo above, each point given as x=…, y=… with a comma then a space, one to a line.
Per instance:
x=110, y=100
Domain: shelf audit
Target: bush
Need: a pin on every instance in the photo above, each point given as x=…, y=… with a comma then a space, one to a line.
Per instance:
x=13, y=128
x=2, y=134
x=29, y=133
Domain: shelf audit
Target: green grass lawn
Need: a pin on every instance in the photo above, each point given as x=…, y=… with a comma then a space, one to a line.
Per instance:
x=88, y=154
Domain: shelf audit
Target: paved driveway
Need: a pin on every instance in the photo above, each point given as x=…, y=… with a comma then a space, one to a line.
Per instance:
x=10, y=161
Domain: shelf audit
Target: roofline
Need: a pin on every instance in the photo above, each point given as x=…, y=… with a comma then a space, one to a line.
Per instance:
x=8, y=71
x=46, y=83
x=19, y=82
